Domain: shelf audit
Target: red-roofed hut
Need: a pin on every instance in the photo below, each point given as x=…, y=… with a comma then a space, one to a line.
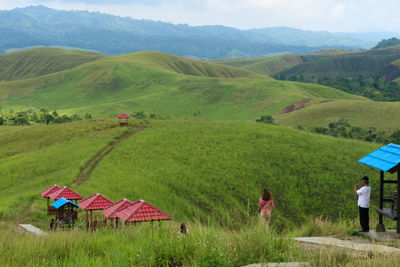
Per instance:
x=46, y=193
x=111, y=212
x=141, y=211
x=66, y=193
x=94, y=202
x=123, y=119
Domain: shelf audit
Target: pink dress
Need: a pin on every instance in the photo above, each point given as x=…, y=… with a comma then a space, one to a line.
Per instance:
x=265, y=209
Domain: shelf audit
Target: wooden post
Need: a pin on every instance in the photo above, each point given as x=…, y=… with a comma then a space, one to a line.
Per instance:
x=381, y=227
x=398, y=202
x=87, y=220
x=116, y=222
x=91, y=223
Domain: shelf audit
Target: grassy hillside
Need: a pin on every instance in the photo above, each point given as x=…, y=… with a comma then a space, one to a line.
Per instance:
x=34, y=157
x=161, y=84
x=191, y=169
x=381, y=115
x=274, y=65
x=269, y=66
x=41, y=61
x=349, y=65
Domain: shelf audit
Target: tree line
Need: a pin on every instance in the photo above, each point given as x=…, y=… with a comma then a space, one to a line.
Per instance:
x=38, y=116
x=372, y=86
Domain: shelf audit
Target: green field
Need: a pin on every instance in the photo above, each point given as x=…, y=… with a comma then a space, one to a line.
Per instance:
x=212, y=169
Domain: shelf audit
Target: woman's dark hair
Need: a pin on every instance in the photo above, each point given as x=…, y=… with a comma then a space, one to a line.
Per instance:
x=183, y=228
x=266, y=195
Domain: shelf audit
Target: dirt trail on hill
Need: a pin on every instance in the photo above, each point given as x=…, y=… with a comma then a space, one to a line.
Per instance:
x=84, y=175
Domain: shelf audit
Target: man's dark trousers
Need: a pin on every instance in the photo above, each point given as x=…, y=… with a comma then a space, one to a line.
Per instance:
x=364, y=218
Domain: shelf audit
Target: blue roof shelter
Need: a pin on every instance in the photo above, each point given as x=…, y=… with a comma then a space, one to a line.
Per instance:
x=65, y=215
x=386, y=159
x=62, y=202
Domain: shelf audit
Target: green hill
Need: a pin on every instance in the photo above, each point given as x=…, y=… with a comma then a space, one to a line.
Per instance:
x=348, y=65
x=277, y=64
x=269, y=66
x=381, y=115
x=162, y=84
x=41, y=61
x=191, y=169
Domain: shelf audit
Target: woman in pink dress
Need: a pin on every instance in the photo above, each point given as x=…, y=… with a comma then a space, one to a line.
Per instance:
x=265, y=203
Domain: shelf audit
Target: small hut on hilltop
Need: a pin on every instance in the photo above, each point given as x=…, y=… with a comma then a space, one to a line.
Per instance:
x=94, y=202
x=123, y=119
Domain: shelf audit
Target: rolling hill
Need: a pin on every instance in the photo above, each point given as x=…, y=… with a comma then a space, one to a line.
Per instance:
x=41, y=61
x=162, y=84
x=326, y=63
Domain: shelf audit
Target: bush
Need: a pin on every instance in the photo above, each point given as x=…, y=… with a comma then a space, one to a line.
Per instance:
x=266, y=119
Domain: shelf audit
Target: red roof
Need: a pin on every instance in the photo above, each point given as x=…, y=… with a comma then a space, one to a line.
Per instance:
x=123, y=116
x=50, y=190
x=95, y=202
x=141, y=211
x=66, y=193
x=111, y=211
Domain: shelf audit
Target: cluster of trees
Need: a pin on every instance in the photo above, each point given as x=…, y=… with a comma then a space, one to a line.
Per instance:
x=343, y=129
x=266, y=119
x=34, y=116
x=373, y=86
x=388, y=43
x=141, y=115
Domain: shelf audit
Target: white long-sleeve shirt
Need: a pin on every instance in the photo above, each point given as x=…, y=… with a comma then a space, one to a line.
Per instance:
x=363, y=196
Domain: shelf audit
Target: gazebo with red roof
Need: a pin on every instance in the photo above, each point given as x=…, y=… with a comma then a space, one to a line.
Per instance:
x=111, y=212
x=141, y=211
x=94, y=202
x=121, y=117
x=46, y=194
x=66, y=193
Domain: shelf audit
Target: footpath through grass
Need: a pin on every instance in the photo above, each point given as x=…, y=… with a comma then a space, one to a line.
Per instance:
x=32, y=158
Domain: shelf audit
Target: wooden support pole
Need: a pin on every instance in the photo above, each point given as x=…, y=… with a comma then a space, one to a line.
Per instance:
x=381, y=197
x=91, y=223
x=87, y=220
x=381, y=227
x=398, y=202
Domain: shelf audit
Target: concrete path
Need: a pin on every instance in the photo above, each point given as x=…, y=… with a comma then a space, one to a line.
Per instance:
x=279, y=264
x=32, y=229
x=330, y=241
x=389, y=235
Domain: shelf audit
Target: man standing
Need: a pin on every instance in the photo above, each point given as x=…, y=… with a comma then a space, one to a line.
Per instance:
x=363, y=203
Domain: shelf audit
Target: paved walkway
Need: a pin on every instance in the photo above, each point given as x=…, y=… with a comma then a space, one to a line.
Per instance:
x=32, y=229
x=279, y=264
x=330, y=241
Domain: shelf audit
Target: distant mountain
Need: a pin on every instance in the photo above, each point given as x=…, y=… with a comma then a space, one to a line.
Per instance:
x=42, y=26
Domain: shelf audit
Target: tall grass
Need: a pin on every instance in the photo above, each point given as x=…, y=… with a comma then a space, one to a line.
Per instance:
x=149, y=245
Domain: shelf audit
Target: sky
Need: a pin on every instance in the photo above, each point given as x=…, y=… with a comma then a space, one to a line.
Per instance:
x=327, y=15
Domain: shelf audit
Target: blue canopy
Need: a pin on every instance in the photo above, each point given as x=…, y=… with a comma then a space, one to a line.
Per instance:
x=63, y=201
x=384, y=159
